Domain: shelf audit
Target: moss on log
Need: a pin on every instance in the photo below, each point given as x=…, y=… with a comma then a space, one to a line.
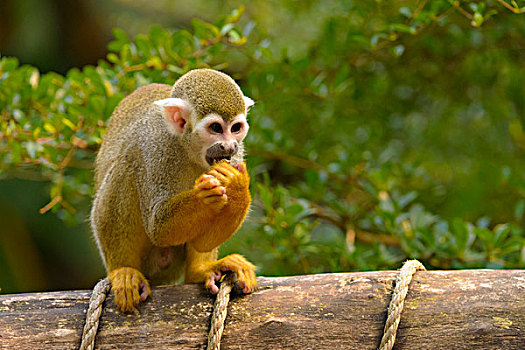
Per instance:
x=469, y=309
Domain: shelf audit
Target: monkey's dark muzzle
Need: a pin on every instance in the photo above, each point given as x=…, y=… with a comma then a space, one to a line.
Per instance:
x=219, y=152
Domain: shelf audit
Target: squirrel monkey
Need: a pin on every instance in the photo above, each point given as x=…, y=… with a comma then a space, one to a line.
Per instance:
x=171, y=186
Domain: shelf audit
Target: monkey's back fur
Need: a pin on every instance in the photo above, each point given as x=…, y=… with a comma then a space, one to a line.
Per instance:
x=131, y=109
x=138, y=166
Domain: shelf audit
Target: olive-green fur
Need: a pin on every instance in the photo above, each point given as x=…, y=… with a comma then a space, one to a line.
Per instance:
x=122, y=124
x=210, y=91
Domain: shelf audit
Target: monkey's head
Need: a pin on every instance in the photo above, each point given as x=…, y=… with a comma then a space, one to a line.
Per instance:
x=207, y=109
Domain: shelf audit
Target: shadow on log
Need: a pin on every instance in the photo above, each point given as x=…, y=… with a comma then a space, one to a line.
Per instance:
x=469, y=309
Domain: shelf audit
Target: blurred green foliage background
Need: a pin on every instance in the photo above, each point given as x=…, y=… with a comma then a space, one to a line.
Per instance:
x=382, y=130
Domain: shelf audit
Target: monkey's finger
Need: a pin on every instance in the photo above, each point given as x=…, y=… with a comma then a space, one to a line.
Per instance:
x=216, y=191
x=215, y=199
x=207, y=184
x=226, y=170
x=241, y=167
x=203, y=177
x=223, y=179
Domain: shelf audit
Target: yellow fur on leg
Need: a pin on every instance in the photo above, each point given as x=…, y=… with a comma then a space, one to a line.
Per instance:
x=129, y=286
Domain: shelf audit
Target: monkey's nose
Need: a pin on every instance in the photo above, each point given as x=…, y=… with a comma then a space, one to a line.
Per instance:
x=230, y=148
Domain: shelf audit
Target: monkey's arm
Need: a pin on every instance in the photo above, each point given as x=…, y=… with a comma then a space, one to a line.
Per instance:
x=208, y=214
x=178, y=220
x=203, y=267
x=235, y=205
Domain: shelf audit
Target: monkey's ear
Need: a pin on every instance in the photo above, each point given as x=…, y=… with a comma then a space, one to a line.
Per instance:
x=248, y=102
x=176, y=111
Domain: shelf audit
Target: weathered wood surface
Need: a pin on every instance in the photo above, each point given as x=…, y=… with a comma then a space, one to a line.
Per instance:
x=469, y=309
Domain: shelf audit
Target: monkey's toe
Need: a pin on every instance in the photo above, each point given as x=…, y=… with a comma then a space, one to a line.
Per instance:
x=244, y=270
x=246, y=280
x=211, y=282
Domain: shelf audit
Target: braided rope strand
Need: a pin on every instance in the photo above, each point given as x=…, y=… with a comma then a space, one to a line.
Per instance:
x=220, y=310
x=93, y=314
x=397, y=303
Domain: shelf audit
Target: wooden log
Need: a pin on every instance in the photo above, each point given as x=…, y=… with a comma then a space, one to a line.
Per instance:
x=469, y=309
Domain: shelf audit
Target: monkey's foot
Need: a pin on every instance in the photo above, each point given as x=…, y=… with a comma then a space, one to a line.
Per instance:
x=129, y=286
x=210, y=191
x=243, y=269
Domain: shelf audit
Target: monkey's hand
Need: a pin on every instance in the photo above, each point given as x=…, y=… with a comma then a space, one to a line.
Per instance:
x=211, y=272
x=223, y=184
x=234, y=178
x=211, y=192
x=225, y=189
x=129, y=287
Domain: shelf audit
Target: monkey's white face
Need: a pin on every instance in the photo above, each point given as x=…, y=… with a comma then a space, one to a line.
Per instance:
x=209, y=139
x=220, y=139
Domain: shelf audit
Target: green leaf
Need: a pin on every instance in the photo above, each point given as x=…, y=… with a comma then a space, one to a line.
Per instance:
x=405, y=11
x=121, y=39
x=403, y=28
x=204, y=30
x=477, y=20
x=461, y=234
x=8, y=64
x=294, y=210
x=519, y=210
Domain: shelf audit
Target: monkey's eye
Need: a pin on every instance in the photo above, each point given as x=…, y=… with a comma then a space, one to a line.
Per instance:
x=216, y=127
x=236, y=127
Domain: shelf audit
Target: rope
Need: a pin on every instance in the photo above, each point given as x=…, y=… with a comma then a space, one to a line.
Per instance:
x=220, y=309
x=93, y=314
x=395, y=308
